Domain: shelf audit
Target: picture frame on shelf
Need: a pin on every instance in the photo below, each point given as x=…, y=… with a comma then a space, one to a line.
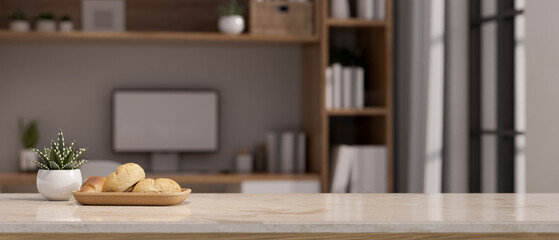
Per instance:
x=104, y=15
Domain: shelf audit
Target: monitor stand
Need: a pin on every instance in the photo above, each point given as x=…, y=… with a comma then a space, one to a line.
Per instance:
x=164, y=162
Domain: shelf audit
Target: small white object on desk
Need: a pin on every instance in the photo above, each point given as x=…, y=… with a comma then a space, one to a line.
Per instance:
x=244, y=161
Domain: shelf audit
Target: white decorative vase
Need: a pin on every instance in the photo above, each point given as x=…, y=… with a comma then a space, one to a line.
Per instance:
x=234, y=24
x=19, y=25
x=25, y=158
x=339, y=9
x=45, y=25
x=66, y=26
x=58, y=184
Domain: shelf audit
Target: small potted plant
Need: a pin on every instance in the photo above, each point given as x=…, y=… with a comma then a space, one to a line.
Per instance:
x=59, y=175
x=46, y=22
x=66, y=24
x=29, y=137
x=231, y=20
x=18, y=21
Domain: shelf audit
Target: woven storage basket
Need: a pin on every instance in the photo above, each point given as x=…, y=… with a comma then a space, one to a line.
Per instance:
x=280, y=17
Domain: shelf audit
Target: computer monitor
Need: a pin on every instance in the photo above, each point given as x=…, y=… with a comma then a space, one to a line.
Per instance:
x=165, y=123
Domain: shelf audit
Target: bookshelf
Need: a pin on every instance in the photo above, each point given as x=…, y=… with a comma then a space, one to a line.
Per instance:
x=194, y=21
x=371, y=125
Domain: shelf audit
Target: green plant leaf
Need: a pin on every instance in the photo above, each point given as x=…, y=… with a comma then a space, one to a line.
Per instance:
x=40, y=154
x=60, y=157
x=79, y=164
x=56, y=166
x=42, y=166
x=60, y=141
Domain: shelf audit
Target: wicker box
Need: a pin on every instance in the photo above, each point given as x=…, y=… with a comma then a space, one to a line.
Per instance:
x=281, y=17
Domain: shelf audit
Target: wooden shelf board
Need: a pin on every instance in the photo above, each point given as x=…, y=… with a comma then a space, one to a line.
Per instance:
x=16, y=178
x=353, y=22
x=368, y=111
x=6, y=35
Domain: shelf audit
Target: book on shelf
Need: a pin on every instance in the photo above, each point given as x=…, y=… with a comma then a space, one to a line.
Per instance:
x=359, y=169
x=286, y=152
x=301, y=160
x=272, y=161
x=345, y=87
x=359, y=84
x=368, y=174
x=337, y=80
x=329, y=87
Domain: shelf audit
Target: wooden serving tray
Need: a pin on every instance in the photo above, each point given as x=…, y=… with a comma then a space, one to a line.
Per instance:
x=130, y=198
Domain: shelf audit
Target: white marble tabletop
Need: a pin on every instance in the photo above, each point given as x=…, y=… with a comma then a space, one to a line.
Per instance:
x=291, y=213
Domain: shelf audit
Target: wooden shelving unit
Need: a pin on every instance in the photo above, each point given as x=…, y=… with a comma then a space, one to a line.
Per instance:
x=187, y=21
x=139, y=36
x=372, y=125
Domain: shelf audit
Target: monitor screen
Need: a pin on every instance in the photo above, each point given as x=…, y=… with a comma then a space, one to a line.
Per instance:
x=165, y=121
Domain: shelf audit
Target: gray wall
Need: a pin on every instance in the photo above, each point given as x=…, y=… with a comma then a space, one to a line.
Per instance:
x=542, y=130
x=69, y=86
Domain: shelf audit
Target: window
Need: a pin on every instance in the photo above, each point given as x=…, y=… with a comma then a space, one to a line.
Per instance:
x=496, y=105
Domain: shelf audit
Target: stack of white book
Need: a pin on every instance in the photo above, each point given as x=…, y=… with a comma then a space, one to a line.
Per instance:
x=345, y=87
x=359, y=169
x=286, y=152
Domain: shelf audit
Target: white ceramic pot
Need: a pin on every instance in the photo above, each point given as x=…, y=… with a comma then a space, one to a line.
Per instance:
x=58, y=184
x=44, y=25
x=25, y=158
x=19, y=26
x=233, y=24
x=66, y=26
x=339, y=9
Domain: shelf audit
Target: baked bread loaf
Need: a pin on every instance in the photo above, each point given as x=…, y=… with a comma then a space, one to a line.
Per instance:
x=93, y=184
x=160, y=185
x=124, y=179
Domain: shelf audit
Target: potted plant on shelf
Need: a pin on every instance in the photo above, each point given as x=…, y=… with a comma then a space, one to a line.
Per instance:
x=59, y=175
x=231, y=20
x=46, y=22
x=29, y=137
x=66, y=24
x=18, y=21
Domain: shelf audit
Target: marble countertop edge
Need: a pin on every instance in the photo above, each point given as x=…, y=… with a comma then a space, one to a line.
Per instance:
x=138, y=227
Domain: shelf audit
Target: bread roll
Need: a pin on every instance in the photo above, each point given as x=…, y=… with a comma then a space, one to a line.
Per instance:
x=93, y=184
x=160, y=185
x=124, y=178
